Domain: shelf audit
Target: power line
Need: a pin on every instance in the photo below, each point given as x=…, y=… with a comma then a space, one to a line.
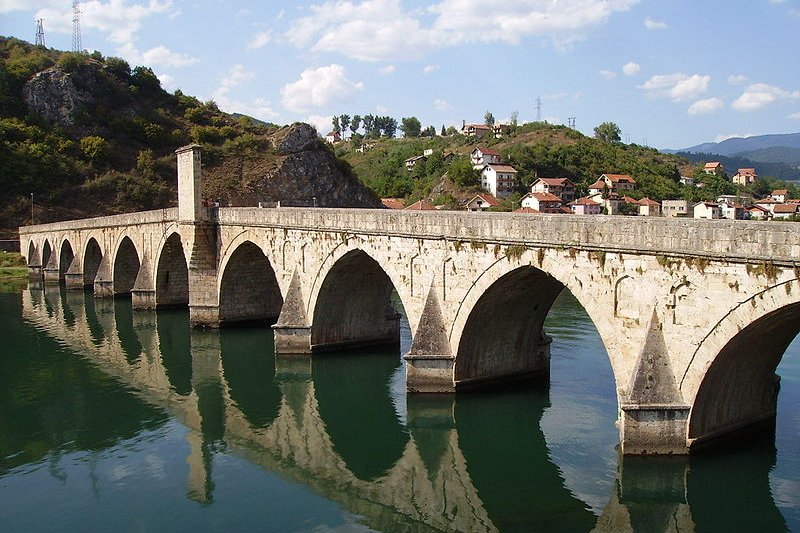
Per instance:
x=40, y=32
x=77, y=46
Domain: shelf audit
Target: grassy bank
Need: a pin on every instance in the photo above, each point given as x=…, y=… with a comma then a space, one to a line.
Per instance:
x=13, y=272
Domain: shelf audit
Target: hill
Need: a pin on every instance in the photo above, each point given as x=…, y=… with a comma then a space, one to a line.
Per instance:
x=534, y=149
x=83, y=135
x=738, y=145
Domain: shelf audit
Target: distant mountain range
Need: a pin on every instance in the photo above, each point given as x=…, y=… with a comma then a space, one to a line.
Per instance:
x=776, y=155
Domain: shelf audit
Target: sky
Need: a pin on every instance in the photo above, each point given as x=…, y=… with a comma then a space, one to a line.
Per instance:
x=669, y=73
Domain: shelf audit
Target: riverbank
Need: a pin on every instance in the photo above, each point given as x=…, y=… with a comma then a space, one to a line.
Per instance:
x=13, y=272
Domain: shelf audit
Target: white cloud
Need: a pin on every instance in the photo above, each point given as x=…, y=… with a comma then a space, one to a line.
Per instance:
x=676, y=87
x=608, y=74
x=118, y=19
x=725, y=136
x=318, y=88
x=167, y=81
x=758, y=95
x=388, y=69
x=9, y=6
x=631, y=69
x=322, y=123
x=737, y=79
x=427, y=69
x=794, y=116
x=373, y=30
x=651, y=24
x=160, y=56
x=237, y=75
x=259, y=40
x=703, y=107
x=442, y=105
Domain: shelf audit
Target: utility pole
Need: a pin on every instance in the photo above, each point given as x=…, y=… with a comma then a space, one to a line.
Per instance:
x=77, y=46
x=31, y=209
x=40, y=32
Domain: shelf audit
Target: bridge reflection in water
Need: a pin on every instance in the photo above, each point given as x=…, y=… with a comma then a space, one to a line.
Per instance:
x=478, y=462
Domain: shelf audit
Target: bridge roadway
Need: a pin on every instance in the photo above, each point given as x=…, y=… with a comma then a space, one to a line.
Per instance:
x=695, y=315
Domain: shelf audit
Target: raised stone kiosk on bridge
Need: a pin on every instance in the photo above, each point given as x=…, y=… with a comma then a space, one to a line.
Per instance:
x=694, y=315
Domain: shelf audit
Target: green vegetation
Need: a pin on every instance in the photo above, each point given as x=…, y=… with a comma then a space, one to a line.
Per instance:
x=115, y=153
x=13, y=272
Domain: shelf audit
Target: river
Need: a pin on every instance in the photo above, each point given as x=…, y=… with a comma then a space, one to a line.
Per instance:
x=115, y=420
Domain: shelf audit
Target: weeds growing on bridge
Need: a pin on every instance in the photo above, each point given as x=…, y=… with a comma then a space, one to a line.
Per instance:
x=766, y=269
x=515, y=251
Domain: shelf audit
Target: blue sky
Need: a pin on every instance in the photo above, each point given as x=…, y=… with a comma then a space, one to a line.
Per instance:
x=670, y=73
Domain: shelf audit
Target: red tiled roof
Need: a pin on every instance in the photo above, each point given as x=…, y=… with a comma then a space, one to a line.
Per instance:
x=488, y=198
x=420, y=205
x=584, y=201
x=768, y=201
x=599, y=184
x=486, y=151
x=393, y=203
x=615, y=178
x=554, y=181
x=544, y=196
x=526, y=210
x=785, y=208
x=784, y=192
x=712, y=164
x=648, y=201
x=757, y=208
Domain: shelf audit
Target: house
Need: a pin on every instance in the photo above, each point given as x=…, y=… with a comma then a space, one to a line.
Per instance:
x=780, y=195
x=735, y=199
x=756, y=212
x=714, y=167
x=393, y=203
x=745, y=176
x=609, y=204
x=500, y=130
x=710, y=210
x=612, y=183
x=649, y=208
x=768, y=203
x=474, y=130
x=733, y=211
x=483, y=156
x=544, y=202
x=561, y=187
x=420, y=205
x=784, y=211
x=585, y=206
x=676, y=208
x=427, y=152
x=333, y=137
x=686, y=180
x=482, y=202
x=500, y=180
x=411, y=162
x=529, y=210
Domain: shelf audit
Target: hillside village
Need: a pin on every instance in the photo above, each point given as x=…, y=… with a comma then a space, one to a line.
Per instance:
x=610, y=194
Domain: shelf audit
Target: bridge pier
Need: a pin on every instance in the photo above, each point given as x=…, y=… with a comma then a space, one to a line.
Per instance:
x=430, y=373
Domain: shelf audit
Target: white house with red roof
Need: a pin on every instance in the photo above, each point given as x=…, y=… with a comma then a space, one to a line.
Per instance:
x=585, y=206
x=483, y=156
x=474, y=130
x=768, y=203
x=756, y=212
x=498, y=179
x=544, y=202
x=745, y=176
x=482, y=202
x=784, y=211
x=612, y=183
x=780, y=195
x=561, y=187
x=333, y=137
x=714, y=167
x=709, y=210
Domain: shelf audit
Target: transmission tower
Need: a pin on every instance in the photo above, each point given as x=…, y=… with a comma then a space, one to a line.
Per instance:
x=40, y=32
x=77, y=46
x=538, y=109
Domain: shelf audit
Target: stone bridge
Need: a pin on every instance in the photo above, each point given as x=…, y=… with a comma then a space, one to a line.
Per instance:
x=694, y=315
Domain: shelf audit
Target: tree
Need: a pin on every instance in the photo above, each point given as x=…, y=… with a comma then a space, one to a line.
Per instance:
x=354, y=124
x=488, y=119
x=344, y=121
x=514, y=119
x=95, y=148
x=335, y=122
x=462, y=173
x=444, y=131
x=411, y=127
x=608, y=132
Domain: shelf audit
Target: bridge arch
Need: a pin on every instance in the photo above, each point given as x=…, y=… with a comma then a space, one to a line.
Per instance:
x=65, y=258
x=126, y=266
x=248, y=287
x=172, y=273
x=351, y=301
x=32, y=253
x=92, y=257
x=46, y=252
x=507, y=305
x=731, y=377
